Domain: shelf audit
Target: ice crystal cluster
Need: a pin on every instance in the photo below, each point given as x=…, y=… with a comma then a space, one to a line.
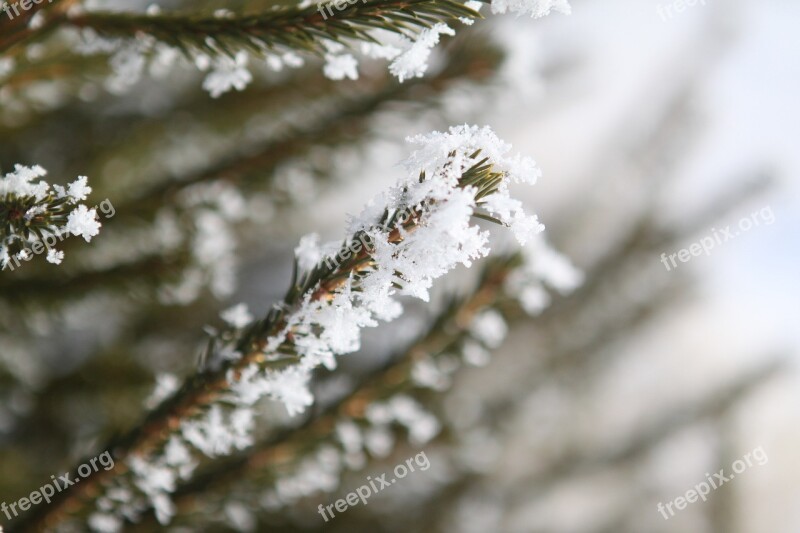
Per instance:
x=403, y=261
x=226, y=71
x=35, y=215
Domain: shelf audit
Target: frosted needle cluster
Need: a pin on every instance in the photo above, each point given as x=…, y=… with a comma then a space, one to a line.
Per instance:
x=35, y=215
x=403, y=240
x=342, y=34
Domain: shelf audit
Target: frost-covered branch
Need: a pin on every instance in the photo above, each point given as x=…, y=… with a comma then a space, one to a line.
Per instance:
x=416, y=232
x=291, y=28
x=310, y=458
x=35, y=215
x=20, y=23
x=351, y=116
x=401, y=31
x=253, y=170
x=224, y=44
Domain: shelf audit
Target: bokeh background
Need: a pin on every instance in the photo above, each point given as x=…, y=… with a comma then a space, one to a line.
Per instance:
x=651, y=130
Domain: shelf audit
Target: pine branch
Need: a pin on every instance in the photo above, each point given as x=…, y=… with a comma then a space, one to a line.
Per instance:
x=15, y=23
x=281, y=340
x=447, y=333
x=71, y=70
x=351, y=118
x=285, y=28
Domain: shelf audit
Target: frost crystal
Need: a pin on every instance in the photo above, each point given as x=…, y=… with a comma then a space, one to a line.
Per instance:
x=308, y=252
x=413, y=62
x=213, y=435
x=55, y=256
x=83, y=222
x=78, y=190
x=23, y=182
x=436, y=149
x=237, y=316
x=289, y=386
x=228, y=73
x=340, y=66
x=166, y=385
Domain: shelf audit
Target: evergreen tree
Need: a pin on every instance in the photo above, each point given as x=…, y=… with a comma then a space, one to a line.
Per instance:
x=164, y=349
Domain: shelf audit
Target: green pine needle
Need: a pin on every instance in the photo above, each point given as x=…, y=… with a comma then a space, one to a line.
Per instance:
x=286, y=28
